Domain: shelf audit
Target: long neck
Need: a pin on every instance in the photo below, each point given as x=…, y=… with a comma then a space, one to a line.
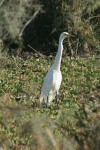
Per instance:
x=57, y=62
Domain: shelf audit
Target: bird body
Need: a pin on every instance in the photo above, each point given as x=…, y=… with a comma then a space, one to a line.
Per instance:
x=53, y=78
x=51, y=85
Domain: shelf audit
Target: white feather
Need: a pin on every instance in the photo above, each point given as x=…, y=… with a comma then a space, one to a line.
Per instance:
x=53, y=78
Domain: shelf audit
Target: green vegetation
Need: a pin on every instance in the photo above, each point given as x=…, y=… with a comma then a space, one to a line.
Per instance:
x=73, y=125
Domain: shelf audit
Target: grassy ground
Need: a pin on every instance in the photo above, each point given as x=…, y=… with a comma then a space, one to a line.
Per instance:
x=75, y=124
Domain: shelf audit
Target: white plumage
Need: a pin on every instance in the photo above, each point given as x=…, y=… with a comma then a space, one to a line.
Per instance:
x=53, y=78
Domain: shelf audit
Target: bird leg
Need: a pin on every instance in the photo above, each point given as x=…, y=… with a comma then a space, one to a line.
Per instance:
x=56, y=99
x=47, y=102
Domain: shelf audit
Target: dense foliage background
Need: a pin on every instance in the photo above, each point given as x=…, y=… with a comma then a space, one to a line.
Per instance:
x=81, y=18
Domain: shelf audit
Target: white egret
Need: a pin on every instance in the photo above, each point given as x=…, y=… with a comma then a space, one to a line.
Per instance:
x=53, y=78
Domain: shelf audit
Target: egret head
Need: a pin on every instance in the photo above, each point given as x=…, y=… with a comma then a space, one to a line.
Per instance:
x=65, y=35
